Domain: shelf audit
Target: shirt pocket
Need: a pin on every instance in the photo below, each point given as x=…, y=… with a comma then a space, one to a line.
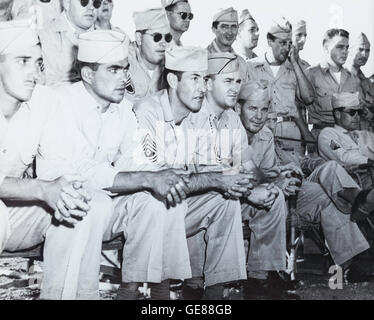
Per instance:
x=324, y=99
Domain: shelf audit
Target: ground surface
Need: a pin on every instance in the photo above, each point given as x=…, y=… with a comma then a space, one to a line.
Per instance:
x=15, y=284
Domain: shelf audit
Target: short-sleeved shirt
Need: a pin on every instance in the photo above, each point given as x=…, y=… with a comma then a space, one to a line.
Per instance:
x=194, y=144
x=60, y=49
x=21, y=134
x=326, y=85
x=145, y=82
x=222, y=143
x=80, y=139
x=283, y=86
x=213, y=48
x=338, y=144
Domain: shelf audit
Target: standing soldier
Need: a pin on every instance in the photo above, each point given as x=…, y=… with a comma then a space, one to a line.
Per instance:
x=180, y=16
x=147, y=53
x=329, y=78
x=60, y=40
x=299, y=35
x=280, y=69
x=248, y=35
x=104, y=15
x=358, y=56
x=225, y=27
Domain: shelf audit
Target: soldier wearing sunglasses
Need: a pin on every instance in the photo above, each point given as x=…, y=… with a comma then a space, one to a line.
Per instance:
x=60, y=40
x=180, y=16
x=147, y=53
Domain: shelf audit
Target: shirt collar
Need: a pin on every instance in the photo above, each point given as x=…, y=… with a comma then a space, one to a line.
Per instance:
x=217, y=49
x=326, y=67
x=89, y=102
x=165, y=104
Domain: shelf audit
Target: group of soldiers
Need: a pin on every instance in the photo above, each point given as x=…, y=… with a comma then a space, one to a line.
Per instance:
x=175, y=146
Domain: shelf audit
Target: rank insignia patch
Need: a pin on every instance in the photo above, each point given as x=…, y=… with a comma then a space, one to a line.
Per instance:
x=149, y=148
x=334, y=146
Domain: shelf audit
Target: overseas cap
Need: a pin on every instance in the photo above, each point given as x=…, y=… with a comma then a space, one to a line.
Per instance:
x=17, y=35
x=346, y=100
x=186, y=59
x=281, y=28
x=245, y=15
x=226, y=15
x=219, y=63
x=103, y=46
x=166, y=3
x=150, y=19
x=256, y=93
x=299, y=27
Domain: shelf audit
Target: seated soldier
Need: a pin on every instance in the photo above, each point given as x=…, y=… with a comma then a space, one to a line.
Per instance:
x=321, y=198
x=209, y=215
x=341, y=143
x=92, y=126
x=58, y=211
x=264, y=207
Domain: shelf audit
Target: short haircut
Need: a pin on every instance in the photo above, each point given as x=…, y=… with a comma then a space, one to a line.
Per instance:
x=80, y=65
x=331, y=33
x=167, y=72
x=172, y=6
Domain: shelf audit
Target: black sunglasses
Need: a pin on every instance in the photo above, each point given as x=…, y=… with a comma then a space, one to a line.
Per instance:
x=185, y=15
x=157, y=37
x=352, y=113
x=96, y=3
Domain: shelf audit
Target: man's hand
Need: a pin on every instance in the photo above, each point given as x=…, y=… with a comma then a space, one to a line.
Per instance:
x=264, y=196
x=237, y=186
x=294, y=55
x=170, y=186
x=290, y=180
x=68, y=198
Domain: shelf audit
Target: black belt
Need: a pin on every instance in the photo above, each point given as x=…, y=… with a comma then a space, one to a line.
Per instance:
x=322, y=126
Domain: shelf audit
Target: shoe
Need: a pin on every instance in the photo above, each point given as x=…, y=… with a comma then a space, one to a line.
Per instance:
x=282, y=282
x=358, y=213
x=355, y=274
x=189, y=293
x=257, y=289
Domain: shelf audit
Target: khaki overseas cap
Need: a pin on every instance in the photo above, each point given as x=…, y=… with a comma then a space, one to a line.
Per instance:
x=103, y=46
x=151, y=19
x=17, y=35
x=186, y=59
x=224, y=62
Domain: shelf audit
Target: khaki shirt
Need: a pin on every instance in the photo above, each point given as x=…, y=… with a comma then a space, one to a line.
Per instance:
x=283, y=86
x=213, y=48
x=325, y=84
x=49, y=11
x=263, y=148
x=222, y=143
x=81, y=140
x=21, y=135
x=165, y=144
x=337, y=144
x=59, y=48
x=143, y=83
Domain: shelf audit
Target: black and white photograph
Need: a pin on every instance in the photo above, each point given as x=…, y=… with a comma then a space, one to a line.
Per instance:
x=162, y=151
